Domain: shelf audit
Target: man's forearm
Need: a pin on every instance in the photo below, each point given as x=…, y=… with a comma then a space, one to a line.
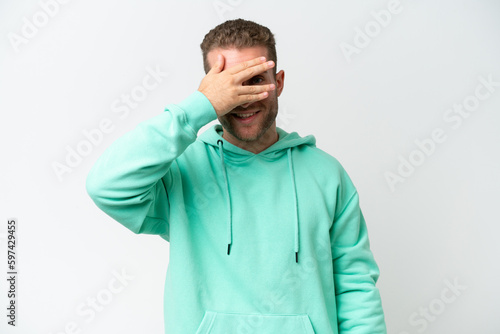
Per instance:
x=124, y=180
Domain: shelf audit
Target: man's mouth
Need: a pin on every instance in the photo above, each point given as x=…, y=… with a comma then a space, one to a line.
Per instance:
x=245, y=116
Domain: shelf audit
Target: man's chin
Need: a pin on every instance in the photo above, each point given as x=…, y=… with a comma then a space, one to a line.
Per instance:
x=246, y=136
x=241, y=133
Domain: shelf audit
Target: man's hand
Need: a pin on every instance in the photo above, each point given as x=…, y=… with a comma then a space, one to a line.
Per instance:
x=225, y=89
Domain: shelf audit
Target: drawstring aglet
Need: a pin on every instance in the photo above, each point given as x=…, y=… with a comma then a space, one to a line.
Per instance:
x=297, y=257
x=228, y=248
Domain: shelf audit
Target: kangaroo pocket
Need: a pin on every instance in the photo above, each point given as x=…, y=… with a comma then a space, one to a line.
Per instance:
x=237, y=323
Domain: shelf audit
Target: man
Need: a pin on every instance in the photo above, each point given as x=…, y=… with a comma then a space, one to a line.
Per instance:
x=265, y=230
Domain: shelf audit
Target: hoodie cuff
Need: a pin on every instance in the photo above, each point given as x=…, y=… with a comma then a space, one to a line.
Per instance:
x=198, y=110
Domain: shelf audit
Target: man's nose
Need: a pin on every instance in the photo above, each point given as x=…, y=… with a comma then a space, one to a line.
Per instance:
x=246, y=105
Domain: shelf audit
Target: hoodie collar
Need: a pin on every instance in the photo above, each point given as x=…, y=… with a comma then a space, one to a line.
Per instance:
x=285, y=141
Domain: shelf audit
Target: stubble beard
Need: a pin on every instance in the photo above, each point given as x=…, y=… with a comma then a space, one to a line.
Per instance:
x=263, y=126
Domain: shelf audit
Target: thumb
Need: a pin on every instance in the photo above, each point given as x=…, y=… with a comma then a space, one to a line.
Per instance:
x=219, y=64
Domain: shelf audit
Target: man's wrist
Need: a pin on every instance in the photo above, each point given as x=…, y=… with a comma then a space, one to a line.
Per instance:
x=198, y=110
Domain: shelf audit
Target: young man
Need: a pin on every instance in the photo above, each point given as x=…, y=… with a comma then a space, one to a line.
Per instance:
x=265, y=230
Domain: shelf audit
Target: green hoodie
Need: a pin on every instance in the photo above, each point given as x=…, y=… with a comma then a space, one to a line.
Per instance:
x=273, y=242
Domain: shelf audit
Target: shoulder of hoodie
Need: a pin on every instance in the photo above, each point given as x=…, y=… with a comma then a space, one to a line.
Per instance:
x=330, y=166
x=322, y=159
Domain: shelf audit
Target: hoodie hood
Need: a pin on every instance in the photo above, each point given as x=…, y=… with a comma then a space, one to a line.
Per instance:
x=234, y=154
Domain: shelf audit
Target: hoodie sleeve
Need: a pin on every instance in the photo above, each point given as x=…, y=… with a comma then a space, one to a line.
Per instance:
x=126, y=182
x=359, y=306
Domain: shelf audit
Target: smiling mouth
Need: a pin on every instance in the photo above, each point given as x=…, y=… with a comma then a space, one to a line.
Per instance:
x=245, y=115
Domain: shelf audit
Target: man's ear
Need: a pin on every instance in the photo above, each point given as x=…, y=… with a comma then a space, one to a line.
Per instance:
x=280, y=82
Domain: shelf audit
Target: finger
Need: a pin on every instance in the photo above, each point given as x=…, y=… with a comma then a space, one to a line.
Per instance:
x=255, y=89
x=219, y=64
x=252, y=97
x=246, y=64
x=250, y=72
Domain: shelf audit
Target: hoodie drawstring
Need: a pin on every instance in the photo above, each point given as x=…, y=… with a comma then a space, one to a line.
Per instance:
x=228, y=198
x=294, y=190
x=230, y=218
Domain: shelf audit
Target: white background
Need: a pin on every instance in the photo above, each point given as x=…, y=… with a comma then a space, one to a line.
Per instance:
x=438, y=227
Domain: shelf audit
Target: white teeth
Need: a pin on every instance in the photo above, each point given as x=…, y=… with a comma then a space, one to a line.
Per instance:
x=245, y=115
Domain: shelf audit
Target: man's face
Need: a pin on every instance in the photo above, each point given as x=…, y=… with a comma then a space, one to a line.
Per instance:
x=262, y=114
